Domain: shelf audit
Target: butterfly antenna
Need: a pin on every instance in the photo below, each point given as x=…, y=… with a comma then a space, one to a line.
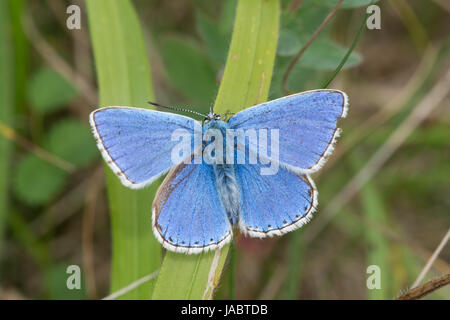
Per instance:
x=176, y=109
x=226, y=113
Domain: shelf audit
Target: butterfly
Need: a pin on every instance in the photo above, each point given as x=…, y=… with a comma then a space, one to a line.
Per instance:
x=199, y=202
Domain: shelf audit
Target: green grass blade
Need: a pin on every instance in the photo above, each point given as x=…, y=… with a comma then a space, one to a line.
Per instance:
x=295, y=262
x=123, y=74
x=6, y=109
x=21, y=53
x=373, y=210
x=378, y=246
x=246, y=82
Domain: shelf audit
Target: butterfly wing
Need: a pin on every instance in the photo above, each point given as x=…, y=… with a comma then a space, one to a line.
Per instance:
x=188, y=215
x=274, y=204
x=136, y=143
x=307, y=124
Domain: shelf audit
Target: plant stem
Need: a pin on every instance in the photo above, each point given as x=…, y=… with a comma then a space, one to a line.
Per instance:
x=245, y=82
x=124, y=79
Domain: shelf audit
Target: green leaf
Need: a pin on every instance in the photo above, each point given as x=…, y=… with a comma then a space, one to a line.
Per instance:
x=123, y=75
x=72, y=140
x=48, y=91
x=323, y=54
x=189, y=70
x=36, y=182
x=245, y=83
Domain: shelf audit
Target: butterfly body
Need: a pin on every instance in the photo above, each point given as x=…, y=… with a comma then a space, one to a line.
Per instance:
x=199, y=202
x=225, y=176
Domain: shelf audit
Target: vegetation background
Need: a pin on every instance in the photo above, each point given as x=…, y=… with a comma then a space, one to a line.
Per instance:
x=384, y=194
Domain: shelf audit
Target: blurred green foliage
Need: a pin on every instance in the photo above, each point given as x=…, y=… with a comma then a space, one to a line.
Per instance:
x=6, y=113
x=71, y=140
x=36, y=181
x=189, y=70
x=48, y=91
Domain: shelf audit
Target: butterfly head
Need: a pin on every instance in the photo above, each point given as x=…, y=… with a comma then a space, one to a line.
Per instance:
x=215, y=116
x=211, y=116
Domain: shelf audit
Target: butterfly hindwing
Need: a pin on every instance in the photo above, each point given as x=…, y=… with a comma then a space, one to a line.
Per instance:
x=188, y=215
x=136, y=143
x=307, y=124
x=274, y=204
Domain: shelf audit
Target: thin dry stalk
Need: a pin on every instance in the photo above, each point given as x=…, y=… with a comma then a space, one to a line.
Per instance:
x=54, y=60
x=131, y=286
x=426, y=288
x=432, y=259
x=12, y=135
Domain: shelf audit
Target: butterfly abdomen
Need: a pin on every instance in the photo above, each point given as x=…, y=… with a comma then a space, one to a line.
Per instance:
x=225, y=177
x=228, y=190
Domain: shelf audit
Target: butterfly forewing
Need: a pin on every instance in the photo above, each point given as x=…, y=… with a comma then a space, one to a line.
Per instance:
x=307, y=124
x=136, y=143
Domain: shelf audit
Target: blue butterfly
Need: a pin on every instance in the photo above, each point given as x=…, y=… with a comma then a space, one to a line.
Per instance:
x=198, y=203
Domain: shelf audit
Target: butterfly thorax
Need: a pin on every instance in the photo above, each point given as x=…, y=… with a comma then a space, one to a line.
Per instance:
x=224, y=174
